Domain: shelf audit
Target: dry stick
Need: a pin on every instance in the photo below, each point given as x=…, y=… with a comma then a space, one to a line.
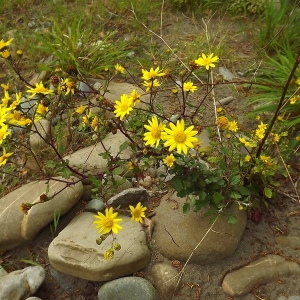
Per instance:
x=289, y=175
x=161, y=17
x=167, y=45
x=189, y=258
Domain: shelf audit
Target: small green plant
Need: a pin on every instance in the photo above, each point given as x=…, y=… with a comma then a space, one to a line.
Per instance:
x=54, y=225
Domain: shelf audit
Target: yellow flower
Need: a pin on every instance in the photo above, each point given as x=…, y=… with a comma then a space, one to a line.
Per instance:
x=189, y=87
x=5, y=44
x=294, y=99
x=138, y=212
x=130, y=165
x=109, y=254
x=5, y=87
x=169, y=160
x=179, y=137
x=175, y=91
x=95, y=123
x=260, y=131
x=264, y=158
x=119, y=69
x=280, y=118
x=233, y=126
x=4, y=157
x=108, y=222
x=39, y=89
x=80, y=109
x=275, y=137
x=68, y=86
x=247, y=158
x=4, y=133
x=5, y=54
x=297, y=81
x=5, y=99
x=123, y=107
x=207, y=61
x=17, y=101
x=20, y=52
x=222, y=122
x=155, y=133
x=219, y=109
x=40, y=112
x=249, y=144
x=18, y=119
x=151, y=84
x=135, y=96
x=150, y=75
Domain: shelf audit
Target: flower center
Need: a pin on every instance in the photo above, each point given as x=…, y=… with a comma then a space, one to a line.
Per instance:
x=180, y=137
x=156, y=133
x=108, y=223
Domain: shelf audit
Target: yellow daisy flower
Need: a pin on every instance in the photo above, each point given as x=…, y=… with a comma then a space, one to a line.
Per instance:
x=149, y=75
x=179, y=137
x=4, y=157
x=151, y=84
x=189, y=87
x=260, y=131
x=80, y=109
x=169, y=160
x=156, y=132
x=233, y=126
x=124, y=106
x=138, y=212
x=207, y=61
x=222, y=122
x=119, y=69
x=5, y=44
x=108, y=222
x=39, y=89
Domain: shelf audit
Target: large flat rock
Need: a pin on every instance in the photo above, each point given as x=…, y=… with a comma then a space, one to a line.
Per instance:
x=75, y=251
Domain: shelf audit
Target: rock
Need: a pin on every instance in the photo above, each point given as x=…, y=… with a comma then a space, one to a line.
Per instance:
x=2, y=272
x=133, y=288
x=75, y=251
x=166, y=280
x=95, y=205
x=128, y=197
x=205, y=141
x=41, y=133
x=224, y=101
x=289, y=298
x=289, y=241
x=227, y=75
x=146, y=182
x=33, y=298
x=16, y=227
x=218, y=244
x=21, y=284
x=88, y=159
x=264, y=270
x=28, y=105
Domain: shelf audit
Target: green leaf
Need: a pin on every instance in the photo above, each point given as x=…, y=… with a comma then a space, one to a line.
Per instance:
x=177, y=184
x=232, y=219
x=186, y=208
x=234, y=180
x=217, y=198
x=243, y=190
x=124, y=146
x=30, y=262
x=234, y=195
x=117, y=171
x=268, y=192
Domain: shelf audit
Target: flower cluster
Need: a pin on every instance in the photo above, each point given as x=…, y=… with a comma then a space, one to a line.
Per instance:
x=108, y=223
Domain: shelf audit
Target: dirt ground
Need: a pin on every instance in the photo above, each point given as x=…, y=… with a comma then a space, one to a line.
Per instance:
x=258, y=239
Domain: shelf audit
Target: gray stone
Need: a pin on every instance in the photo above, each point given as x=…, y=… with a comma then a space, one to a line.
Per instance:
x=227, y=75
x=224, y=101
x=133, y=288
x=33, y=298
x=75, y=251
x=128, y=197
x=95, y=205
x=205, y=141
x=88, y=159
x=17, y=227
x=28, y=105
x=219, y=243
x=166, y=280
x=146, y=182
x=262, y=271
x=289, y=298
x=41, y=133
x=21, y=284
x=288, y=241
